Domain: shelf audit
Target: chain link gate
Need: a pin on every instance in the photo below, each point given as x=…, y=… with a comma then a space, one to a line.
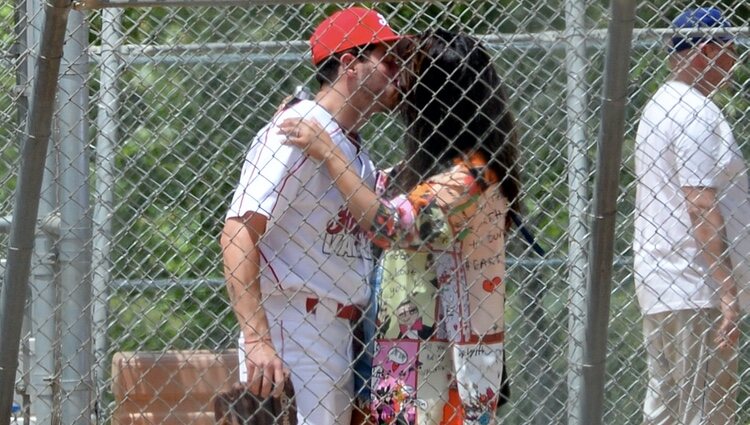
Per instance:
x=165, y=101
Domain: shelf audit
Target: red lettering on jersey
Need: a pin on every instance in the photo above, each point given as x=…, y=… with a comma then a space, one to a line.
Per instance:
x=343, y=221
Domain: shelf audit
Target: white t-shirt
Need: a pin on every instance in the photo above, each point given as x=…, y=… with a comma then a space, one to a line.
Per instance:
x=684, y=140
x=312, y=243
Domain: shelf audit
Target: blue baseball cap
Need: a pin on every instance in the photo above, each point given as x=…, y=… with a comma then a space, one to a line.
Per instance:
x=701, y=17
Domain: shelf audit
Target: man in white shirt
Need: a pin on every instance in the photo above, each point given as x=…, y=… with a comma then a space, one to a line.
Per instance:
x=691, y=239
x=295, y=261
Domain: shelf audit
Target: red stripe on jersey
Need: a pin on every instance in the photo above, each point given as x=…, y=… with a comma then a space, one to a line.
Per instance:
x=273, y=208
x=270, y=267
x=336, y=131
x=283, y=183
x=254, y=162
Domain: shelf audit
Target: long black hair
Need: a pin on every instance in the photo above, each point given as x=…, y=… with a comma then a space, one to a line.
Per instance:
x=454, y=105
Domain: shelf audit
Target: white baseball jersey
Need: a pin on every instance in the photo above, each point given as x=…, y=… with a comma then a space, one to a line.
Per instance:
x=684, y=140
x=312, y=243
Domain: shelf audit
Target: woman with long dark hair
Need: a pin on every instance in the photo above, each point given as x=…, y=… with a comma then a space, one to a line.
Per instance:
x=441, y=220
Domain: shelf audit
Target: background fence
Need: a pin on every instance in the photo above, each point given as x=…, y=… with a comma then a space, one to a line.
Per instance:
x=155, y=111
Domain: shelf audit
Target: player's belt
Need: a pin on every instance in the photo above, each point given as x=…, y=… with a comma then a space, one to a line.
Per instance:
x=348, y=312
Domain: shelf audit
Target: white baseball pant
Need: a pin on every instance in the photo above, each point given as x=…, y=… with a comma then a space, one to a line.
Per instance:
x=317, y=349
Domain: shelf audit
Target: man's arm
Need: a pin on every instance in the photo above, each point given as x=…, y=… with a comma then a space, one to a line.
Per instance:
x=239, y=241
x=709, y=232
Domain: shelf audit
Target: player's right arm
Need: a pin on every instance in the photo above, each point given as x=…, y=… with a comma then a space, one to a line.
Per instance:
x=268, y=168
x=239, y=242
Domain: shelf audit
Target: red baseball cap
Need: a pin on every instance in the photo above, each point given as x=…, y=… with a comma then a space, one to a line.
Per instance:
x=352, y=27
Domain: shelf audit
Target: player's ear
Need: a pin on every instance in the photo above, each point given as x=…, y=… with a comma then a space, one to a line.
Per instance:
x=347, y=61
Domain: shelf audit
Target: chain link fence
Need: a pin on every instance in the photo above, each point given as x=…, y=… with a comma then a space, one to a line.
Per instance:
x=162, y=103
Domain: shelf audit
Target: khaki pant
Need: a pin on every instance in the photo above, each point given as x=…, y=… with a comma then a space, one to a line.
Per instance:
x=690, y=381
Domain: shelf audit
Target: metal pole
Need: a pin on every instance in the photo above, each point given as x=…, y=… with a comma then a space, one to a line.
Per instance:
x=298, y=50
x=20, y=49
x=33, y=154
x=98, y=4
x=608, y=162
x=43, y=301
x=105, y=171
x=74, y=250
x=578, y=195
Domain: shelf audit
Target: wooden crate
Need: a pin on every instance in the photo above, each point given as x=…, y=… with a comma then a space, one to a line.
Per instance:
x=169, y=388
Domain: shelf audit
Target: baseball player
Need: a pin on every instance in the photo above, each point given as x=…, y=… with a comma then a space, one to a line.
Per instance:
x=295, y=261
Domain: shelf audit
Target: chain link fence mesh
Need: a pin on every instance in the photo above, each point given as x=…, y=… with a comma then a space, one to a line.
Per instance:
x=176, y=94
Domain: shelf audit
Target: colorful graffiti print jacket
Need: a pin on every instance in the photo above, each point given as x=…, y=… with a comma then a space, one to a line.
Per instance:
x=440, y=327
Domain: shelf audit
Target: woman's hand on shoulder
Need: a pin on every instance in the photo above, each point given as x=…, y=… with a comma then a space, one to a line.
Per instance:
x=309, y=136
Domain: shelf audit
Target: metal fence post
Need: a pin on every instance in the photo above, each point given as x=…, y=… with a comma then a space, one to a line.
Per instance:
x=74, y=252
x=34, y=152
x=578, y=194
x=608, y=164
x=43, y=301
x=44, y=306
x=107, y=136
x=21, y=18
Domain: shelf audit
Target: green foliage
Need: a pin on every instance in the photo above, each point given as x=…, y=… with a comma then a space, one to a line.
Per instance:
x=8, y=112
x=8, y=140
x=171, y=322
x=6, y=18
